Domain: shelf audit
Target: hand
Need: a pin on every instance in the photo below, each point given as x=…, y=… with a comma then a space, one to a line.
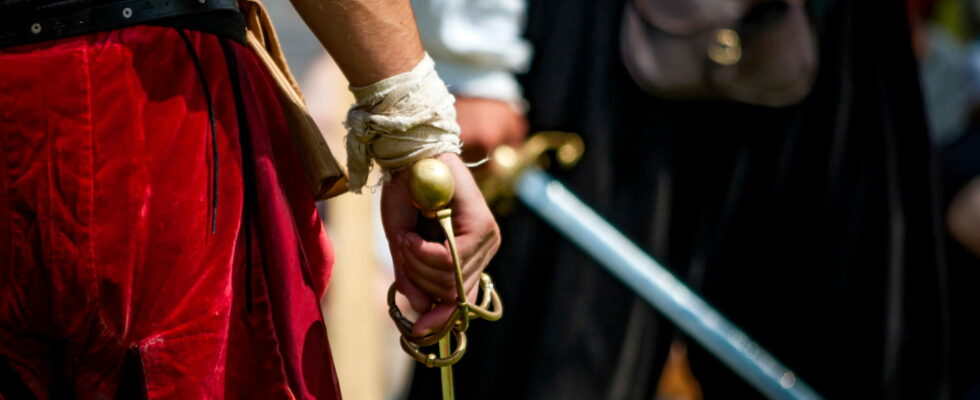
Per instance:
x=424, y=271
x=487, y=124
x=963, y=216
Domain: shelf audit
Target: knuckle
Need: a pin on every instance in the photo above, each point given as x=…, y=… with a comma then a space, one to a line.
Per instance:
x=412, y=281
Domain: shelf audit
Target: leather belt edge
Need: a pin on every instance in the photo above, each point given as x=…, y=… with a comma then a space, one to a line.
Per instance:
x=25, y=29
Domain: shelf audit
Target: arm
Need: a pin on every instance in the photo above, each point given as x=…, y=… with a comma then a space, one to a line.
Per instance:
x=370, y=39
x=373, y=40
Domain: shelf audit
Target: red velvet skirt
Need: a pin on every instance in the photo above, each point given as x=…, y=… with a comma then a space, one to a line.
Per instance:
x=157, y=235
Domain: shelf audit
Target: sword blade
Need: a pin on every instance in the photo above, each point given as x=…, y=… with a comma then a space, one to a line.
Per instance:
x=550, y=200
x=446, y=373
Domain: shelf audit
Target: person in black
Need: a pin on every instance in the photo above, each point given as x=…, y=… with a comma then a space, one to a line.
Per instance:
x=815, y=227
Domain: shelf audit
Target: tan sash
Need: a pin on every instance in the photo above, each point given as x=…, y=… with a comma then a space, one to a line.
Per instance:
x=327, y=177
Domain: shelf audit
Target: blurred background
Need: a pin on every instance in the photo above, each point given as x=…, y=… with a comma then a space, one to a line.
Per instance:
x=849, y=216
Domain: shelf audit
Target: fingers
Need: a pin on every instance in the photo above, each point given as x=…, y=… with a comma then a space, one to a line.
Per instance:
x=429, y=265
x=398, y=215
x=433, y=254
x=436, y=282
x=438, y=316
x=418, y=298
x=440, y=283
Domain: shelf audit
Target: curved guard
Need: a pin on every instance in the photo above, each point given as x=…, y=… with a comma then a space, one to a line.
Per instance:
x=430, y=359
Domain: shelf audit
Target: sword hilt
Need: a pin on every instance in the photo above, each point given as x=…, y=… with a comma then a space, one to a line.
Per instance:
x=431, y=187
x=543, y=149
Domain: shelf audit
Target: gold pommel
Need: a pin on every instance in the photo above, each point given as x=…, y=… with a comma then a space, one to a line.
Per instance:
x=430, y=183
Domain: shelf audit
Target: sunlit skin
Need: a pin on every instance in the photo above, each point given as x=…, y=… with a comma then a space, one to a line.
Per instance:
x=487, y=124
x=963, y=217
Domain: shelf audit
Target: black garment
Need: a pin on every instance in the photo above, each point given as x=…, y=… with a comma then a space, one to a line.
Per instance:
x=814, y=228
x=960, y=165
x=44, y=5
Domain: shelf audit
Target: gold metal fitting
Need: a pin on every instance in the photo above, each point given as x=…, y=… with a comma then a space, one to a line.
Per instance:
x=726, y=49
x=506, y=164
x=430, y=185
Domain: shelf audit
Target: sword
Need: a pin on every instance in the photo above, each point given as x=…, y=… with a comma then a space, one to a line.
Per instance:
x=430, y=185
x=554, y=203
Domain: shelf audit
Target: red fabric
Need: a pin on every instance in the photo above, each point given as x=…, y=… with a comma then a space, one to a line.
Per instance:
x=105, y=232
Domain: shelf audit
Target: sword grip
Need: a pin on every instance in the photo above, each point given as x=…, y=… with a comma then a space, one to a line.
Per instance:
x=430, y=229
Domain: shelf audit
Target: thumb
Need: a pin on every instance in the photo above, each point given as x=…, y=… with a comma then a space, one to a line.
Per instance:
x=433, y=320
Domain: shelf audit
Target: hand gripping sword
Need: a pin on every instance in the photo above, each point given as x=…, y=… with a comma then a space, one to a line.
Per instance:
x=430, y=184
x=517, y=175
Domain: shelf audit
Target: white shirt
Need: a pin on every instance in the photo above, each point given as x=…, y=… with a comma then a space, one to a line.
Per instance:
x=477, y=45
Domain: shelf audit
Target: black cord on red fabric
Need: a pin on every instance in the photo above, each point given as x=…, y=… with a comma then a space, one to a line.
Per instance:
x=212, y=126
x=249, y=192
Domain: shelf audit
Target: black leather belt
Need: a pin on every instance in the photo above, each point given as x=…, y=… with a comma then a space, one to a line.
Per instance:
x=31, y=27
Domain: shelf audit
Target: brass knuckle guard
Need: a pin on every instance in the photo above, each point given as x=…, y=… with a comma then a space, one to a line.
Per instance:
x=405, y=326
x=490, y=308
x=430, y=359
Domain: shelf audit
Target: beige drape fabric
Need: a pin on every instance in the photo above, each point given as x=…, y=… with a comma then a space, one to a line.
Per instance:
x=327, y=178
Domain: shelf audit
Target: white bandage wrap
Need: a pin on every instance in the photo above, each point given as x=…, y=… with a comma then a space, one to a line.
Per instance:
x=400, y=120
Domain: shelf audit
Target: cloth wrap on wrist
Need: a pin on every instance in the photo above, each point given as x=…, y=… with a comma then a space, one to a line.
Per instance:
x=400, y=120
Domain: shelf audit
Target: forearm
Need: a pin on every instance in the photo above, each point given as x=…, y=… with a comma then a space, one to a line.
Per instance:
x=369, y=39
